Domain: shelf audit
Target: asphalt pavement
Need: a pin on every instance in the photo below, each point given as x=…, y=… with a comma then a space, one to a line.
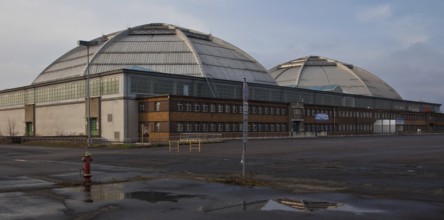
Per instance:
x=384, y=177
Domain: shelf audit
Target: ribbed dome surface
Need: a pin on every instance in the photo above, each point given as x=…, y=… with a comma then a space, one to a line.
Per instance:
x=314, y=71
x=162, y=48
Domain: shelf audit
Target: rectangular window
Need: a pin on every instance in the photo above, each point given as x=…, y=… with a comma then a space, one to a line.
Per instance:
x=110, y=117
x=196, y=127
x=157, y=126
x=204, y=108
x=205, y=127
x=179, y=106
x=234, y=109
x=188, y=107
x=254, y=110
x=189, y=127
x=261, y=110
x=227, y=127
x=227, y=109
x=278, y=111
x=284, y=111
x=179, y=127
x=266, y=110
x=220, y=127
x=272, y=111
x=212, y=108
x=157, y=106
x=220, y=108
x=142, y=107
x=212, y=127
x=196, y=107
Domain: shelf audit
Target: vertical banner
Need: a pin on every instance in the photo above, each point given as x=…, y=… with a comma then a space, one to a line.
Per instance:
x=245, y=94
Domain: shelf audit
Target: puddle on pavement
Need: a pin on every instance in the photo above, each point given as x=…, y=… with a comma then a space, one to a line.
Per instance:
x=153, y=196
x=310, y=206
x=116, y=192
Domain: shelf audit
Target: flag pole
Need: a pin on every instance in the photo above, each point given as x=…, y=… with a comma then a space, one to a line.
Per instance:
x=245, y=94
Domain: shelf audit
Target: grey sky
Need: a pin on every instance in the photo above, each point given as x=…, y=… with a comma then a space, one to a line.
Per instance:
x=399, y=41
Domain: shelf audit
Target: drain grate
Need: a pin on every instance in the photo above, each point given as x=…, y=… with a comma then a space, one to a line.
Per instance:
x=310, y=206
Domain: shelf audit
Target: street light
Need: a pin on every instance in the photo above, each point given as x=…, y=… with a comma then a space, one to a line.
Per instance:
x=88, y=44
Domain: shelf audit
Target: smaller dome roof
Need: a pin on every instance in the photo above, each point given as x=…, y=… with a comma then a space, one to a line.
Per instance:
x=314, y=71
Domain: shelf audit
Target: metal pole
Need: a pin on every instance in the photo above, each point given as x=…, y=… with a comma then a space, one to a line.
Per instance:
x=89, y=100
x=245, y=94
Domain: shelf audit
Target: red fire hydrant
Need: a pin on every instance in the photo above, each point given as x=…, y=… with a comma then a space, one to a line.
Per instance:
x=87, y=165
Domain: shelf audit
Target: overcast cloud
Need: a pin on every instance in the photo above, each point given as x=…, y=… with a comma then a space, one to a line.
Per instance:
x=399, y=41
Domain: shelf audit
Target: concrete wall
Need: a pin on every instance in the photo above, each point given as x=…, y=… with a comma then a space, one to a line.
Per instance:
x=113, y=119
x=65, y=119
x=12, y=121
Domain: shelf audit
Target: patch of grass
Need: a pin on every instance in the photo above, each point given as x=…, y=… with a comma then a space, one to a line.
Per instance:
x=249, y=180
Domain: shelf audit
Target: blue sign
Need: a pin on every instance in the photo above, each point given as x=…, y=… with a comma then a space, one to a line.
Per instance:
x=321, y=117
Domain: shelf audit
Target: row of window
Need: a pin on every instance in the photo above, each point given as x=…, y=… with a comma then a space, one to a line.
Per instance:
x=340, y=127
x=363, y=114
x=230, y=108
x=61, y=92
x=226, y=127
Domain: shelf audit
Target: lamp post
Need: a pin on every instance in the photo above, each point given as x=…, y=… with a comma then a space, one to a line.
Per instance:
x=88, y=44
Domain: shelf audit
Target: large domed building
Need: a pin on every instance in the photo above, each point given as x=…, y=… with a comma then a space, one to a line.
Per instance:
x=167, y=80
x=314, y=72
x=161, y=48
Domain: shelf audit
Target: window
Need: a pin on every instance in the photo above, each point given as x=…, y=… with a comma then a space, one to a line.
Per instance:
x=220, y=127
x=261, y=110
x=254, y=127
x=179, y=106
x=110, y=117
x=196, y=127
x=220, y=108
x=205, y=127
x=179, y=127
x=234, y=127
x=204, y=108
x=278, y=111
x=188, y=107
x=157, y=126
x=189, y=127
x=272, y=111
x=266, y=110
x=234, y=109
x=212, y=108
x=213, y=127
x=227, y=109
x=241, y=109
x=196, y=107
x=284, y=111
x=254, y=110
x=227, y=127
x=142, y=107
x=157, y=106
